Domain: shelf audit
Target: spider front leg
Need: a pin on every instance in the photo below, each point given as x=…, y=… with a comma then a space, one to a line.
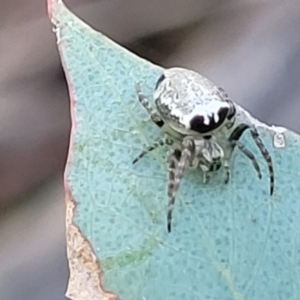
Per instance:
x=227, y=171
x=210, y=156
x=208, y=168
x=177, y=165
x=151, y=111
x=206, y=176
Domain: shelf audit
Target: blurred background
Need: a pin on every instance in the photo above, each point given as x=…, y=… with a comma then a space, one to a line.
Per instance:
x=249, y=47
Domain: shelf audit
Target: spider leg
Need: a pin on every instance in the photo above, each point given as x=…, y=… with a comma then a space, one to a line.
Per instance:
x=238, y=132
x=206, y=177
x=234, y=141
x=266, y=155
x=176, y=171
x=227, y=171
x=151, y=111
x=235, y=136
x=206, y=174
x=172, y=165
x=208, y=169
x=152, y=147
x=249, y=154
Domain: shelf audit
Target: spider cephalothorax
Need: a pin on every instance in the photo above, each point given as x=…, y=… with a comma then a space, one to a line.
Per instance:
x=200, y=123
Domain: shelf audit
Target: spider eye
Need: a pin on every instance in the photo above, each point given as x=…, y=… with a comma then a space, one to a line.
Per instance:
x=197, y=123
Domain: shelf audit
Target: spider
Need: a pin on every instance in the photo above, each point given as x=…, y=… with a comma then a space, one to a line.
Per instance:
x=202, y=126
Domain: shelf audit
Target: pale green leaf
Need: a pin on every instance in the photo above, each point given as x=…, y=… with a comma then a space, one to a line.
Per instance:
x=228, y=241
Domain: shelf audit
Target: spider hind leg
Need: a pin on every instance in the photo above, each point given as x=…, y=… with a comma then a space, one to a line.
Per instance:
x=234, y=140
x=152, y=147
x=250, y=155
x=265, y=153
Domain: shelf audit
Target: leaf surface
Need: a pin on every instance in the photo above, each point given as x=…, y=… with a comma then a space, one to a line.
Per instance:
x=228, y=241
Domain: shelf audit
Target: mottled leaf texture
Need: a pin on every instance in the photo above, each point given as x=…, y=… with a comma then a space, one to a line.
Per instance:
x=229, y=242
